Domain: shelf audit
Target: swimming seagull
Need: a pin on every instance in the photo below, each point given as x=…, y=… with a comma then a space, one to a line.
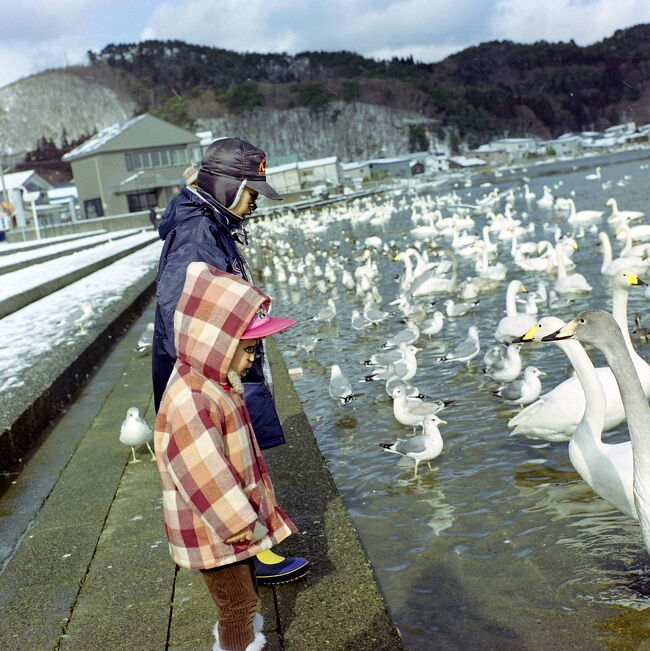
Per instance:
x=523, y=391
x=135, y=431
x=340, y=387
x=327, y=313
x=358, y=321
x=466, y=350
x=423, y=447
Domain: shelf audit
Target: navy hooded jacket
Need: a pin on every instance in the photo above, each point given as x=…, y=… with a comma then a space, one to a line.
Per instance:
x=195, y=228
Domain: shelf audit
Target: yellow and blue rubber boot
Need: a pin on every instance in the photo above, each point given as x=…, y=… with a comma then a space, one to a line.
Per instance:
x=273, y=569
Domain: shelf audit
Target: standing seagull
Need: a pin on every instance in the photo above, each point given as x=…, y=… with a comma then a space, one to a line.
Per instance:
x=135, y=431
x=423, y=447
x=340, y=387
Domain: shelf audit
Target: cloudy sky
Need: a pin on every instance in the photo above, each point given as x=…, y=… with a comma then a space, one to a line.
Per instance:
x=40, y=34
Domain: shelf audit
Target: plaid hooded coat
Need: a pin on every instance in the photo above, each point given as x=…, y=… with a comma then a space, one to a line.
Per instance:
x=214, y=480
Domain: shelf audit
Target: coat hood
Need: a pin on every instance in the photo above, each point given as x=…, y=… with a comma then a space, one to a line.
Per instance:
x=212, y=313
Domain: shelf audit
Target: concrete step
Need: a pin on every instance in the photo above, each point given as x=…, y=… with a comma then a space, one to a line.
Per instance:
x=54, y=358
x=21, y=299
x=28, y=258
x=7, y=248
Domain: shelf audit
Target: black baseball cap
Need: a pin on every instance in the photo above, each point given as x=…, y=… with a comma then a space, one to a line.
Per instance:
x=237, y=159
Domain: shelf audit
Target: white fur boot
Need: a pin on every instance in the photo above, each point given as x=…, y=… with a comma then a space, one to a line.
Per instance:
x=256, y=645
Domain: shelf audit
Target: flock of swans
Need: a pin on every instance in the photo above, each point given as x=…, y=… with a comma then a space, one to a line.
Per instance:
x=439, y=268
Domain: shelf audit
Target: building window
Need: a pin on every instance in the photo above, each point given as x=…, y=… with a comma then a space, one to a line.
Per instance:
x=142, y=200
x=93, y=208
x=158, y=158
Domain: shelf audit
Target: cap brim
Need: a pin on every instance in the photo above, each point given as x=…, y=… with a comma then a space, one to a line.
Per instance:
x=264, y=188
x=271, y=327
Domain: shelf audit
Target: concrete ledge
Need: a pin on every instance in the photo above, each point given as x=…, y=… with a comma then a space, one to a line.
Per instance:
x=46, y=241
x=27, y=411
x=339, y=606
x=51, y=256
x=18, y=301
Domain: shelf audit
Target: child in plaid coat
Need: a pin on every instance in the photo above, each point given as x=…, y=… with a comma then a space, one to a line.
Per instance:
x=218, y=501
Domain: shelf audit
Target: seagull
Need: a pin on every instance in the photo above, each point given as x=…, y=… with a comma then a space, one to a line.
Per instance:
x=433, y=325
x=373, y=314
x=358, y=321
x=412, y=411
x=524, y=391
x=408, y=335
x=458, y=309
x=466, y=350
x=146, y=339
x=423, y=447
x=135, y=431
x=340, y=387
x=508, y=367
x=327, y=313
x=309, y=346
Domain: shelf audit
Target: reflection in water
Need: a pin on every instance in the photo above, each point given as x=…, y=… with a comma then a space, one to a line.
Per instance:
x=501, y=545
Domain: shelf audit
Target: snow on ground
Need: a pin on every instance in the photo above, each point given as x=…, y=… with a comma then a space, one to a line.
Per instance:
x=22, y=280
x=61, y=247
x=55, y=322
x=7, y=247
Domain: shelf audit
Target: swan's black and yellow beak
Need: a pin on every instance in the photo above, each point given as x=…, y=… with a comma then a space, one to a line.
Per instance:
x=634, y=280
x=565, y=332
x=527, y=336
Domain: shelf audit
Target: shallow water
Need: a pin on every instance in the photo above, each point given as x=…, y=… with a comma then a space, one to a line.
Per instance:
x=501, y=544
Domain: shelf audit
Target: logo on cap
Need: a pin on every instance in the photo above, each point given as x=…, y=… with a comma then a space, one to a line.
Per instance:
x=261, y=170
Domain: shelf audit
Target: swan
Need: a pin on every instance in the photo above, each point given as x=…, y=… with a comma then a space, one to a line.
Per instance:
x=568, y=283
x=546, y=200
x=601, y=330
x=606, y=467
x=582, y=216
x=514, y=323
x=557, y=413
x=639, y=233
x=610, y=267
x=595, y=176
x=619, y=216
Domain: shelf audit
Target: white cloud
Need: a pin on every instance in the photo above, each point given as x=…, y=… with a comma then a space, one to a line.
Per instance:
x=585, y=21
x=40, y=34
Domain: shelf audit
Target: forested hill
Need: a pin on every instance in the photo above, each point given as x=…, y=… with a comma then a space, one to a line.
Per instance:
x=544, y=88
x=336, y=103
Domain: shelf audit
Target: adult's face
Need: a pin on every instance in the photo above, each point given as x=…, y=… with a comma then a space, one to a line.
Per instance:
x=246, y=204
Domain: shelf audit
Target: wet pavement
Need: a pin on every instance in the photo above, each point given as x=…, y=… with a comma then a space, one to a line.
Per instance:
x=83, y=557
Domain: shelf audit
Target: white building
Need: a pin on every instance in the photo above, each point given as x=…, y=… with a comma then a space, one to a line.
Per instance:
x=301, y=175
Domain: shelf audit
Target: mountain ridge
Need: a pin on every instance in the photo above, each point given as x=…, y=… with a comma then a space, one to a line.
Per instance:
x=492, y=89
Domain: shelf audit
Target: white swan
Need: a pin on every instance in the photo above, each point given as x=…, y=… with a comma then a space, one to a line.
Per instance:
x=546, y=200
x=514, y=323
x=606, y=467
x=594, y=177
x=599, y=328
x=568, y=283
x=610, y=266
x=555, y=416
x=582, y=216
x=620, y=216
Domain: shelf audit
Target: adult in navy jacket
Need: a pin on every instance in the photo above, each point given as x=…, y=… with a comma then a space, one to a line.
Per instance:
x=205, y=222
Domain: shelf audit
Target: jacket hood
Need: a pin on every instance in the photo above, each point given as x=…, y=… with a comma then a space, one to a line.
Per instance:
x=213, y=312
x=190, y=203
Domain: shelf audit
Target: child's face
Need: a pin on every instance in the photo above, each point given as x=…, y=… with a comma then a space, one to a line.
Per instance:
x=244, y=355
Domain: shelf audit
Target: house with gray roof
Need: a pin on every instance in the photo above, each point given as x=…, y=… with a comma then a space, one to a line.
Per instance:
x=132, y=165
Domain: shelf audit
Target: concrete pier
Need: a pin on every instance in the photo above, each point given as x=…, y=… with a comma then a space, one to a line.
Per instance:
x=84, y=564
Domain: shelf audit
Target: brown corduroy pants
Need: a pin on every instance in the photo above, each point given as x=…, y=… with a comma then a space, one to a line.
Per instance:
x=233, y=589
